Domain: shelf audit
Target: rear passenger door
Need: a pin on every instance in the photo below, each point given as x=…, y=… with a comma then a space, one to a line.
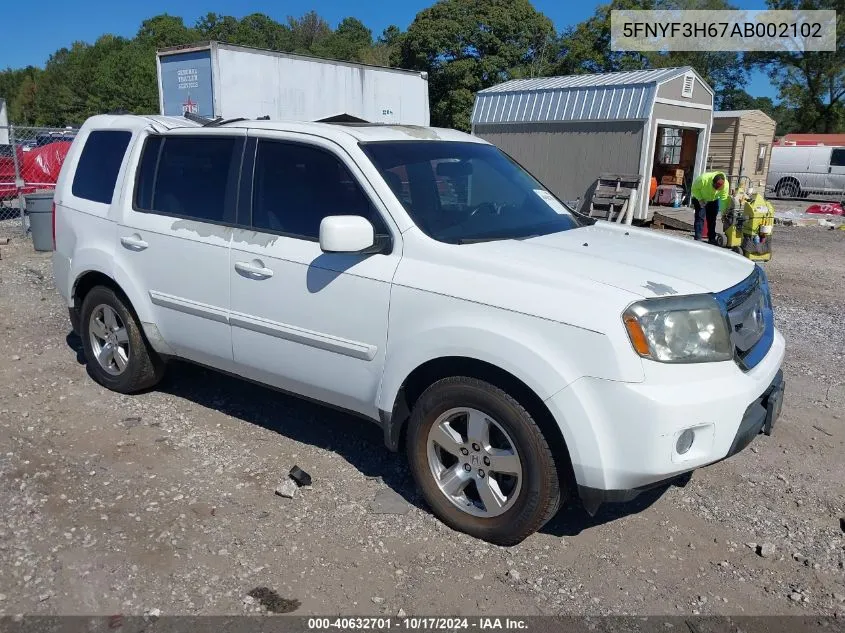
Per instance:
x=174, y=238
x=309, y=322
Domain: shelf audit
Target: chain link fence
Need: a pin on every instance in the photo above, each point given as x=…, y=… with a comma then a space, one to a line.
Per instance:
x=30, y=161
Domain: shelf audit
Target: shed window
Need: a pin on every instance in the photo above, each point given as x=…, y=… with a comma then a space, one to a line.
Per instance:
x=670, y=146
x=762, y=148
x=689, y=84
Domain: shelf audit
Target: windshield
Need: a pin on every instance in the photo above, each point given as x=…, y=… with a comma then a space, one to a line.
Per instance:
x=460, y=192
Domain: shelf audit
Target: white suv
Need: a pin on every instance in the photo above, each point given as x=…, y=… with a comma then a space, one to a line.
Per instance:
x=520, y=353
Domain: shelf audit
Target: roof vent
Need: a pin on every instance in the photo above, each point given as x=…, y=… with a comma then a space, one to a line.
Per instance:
x=689, y=84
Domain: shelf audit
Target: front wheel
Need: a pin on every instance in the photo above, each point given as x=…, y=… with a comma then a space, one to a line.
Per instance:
x=481, y=461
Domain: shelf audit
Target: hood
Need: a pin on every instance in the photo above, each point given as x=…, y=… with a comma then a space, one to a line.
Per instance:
x=583, y=277
x=639, y=261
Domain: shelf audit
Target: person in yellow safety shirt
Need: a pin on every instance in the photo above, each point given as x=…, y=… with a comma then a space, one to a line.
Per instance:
x=710, y=195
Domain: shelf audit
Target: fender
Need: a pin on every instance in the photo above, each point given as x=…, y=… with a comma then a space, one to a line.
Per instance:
x=529, y=354
x=92, y=260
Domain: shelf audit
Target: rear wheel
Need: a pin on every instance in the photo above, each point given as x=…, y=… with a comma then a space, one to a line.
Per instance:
x=118, y=355
x=788, y=189
x=481, y=461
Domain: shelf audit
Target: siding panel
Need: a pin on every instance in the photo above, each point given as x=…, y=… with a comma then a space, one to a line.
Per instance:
x=568, y=157
x=673, y=88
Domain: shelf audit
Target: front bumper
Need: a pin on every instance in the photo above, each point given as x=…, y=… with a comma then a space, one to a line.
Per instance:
x=622, y=436
x=759, y=417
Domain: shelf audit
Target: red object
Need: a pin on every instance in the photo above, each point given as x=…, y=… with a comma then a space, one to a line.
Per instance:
x=39, y=169
x=41, y=165
x=830, y=208
x=812, y=139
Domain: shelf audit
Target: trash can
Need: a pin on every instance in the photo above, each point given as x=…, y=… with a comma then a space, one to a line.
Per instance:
x=39, y=208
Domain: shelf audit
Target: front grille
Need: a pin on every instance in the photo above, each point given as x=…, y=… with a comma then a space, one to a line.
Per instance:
x=748, y=310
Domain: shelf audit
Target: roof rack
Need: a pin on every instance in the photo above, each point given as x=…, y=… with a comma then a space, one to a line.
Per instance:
x=216, y=122
x=196, y=118
x=220, y=121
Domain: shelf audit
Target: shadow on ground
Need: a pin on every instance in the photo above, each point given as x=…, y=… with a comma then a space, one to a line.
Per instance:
x=358, y=441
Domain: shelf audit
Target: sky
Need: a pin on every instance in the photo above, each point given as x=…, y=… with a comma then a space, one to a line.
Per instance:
x=86, y=20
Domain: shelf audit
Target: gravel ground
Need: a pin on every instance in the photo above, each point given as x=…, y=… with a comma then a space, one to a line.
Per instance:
x=165, y=501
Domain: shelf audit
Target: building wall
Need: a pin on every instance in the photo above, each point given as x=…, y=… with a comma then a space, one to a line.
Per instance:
x=735, y=143
x=722, y=144
x=755, y=128
x=680, y=113
x=568, y=157
x=673, y=89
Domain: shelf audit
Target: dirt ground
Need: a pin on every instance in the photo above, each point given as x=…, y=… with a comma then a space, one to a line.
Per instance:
x=126, y=504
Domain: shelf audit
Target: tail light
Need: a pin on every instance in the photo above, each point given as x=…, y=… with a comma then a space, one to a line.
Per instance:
x=54, y=226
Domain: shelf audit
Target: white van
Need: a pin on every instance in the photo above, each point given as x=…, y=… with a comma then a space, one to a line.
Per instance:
x=797, y=171
x=521, y=354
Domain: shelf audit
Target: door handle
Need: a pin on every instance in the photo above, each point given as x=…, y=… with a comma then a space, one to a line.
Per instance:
x=254, y=269
x=134, y=242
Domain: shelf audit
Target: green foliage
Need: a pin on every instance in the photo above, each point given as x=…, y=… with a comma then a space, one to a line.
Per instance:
x=464, y=45
x=811, y=84
x=468, y=45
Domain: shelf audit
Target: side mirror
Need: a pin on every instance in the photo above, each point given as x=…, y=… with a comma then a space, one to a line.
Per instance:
x=346, y=234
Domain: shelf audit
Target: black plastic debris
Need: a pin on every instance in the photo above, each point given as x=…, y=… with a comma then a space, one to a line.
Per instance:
x=300, y=476
x=272, y=601
x=842, y=523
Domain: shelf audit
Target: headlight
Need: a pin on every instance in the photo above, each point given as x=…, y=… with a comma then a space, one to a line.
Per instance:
x=679, y=330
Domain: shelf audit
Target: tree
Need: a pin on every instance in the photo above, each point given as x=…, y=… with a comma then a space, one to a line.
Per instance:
x=18, y=88
x=585, y=47
x=165, y=30
x=468, y=45
x=221, y=28
x=349, y=42
x=813, y=83
x=308, y=31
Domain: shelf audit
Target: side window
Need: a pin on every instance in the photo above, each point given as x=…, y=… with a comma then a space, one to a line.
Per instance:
x=99, y=164
x=190, y=176
x=837, y=158
x=296, y=186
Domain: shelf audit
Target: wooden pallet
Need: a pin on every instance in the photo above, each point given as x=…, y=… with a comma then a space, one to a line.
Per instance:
x=612, y=194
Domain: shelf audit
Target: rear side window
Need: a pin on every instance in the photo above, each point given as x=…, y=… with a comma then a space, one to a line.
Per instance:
x=191, y=177
x=837, y=158
x=99, y=164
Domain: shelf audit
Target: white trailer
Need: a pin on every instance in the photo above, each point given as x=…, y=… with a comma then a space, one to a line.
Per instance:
x=222, y=80
x=4, y=123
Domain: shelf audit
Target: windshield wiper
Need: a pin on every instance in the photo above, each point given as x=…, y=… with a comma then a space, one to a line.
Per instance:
x=478, y=240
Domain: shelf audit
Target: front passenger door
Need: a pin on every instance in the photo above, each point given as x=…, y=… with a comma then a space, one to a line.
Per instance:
x=309, y=322
x=836, y=171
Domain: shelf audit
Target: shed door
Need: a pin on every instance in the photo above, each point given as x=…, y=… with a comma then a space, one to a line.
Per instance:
x=749, y=155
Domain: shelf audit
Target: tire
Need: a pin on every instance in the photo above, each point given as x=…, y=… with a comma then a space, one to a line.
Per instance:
x=788, y=189
x=737, y=249
x=135, y=366
x=521, y=504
